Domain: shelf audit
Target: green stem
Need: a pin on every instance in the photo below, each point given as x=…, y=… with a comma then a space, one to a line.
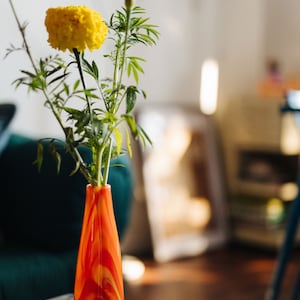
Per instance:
x=21, y=29
x=106, y=167
x=117, y=79
x=103, y=179
x=128, y=17
x=77, y=157
x=99, y=164
x=78, y=61
x=116, y=74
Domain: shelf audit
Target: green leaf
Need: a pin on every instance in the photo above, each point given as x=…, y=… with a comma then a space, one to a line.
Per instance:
x=76, y=113
x=56, y=69
x=131, y=124
x=95, y=70
x=135, y=75
x=134, y=67
x=57, y=78
x=36, y=84
x=119, y=139
x=130, y=98
x=32, y=75
x=66, y=89
x=91, y=69
x=56, y=156
x=135, y=62
x=143, y=136
x=76, y=84
x=128, y=141
x=76, y=169
x=40, y=155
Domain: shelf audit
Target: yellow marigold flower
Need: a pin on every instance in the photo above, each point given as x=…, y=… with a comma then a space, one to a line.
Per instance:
x=75, y=27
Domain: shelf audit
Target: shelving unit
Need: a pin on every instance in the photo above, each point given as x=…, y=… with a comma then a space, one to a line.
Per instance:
x=265, y=188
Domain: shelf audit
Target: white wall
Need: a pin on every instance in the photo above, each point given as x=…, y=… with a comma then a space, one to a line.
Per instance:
x=283, y=34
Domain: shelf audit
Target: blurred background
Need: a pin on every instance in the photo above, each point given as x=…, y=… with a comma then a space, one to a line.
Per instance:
x=237, y=54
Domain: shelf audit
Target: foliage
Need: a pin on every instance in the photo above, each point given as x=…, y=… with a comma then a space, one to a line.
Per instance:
x=98, y=117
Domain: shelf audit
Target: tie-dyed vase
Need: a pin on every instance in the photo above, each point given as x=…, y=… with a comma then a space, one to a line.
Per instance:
x=99, y=265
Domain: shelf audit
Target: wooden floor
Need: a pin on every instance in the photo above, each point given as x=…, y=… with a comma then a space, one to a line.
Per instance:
x=233, y=273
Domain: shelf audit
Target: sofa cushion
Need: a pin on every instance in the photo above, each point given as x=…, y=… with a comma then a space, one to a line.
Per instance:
x=44, y=210
x=32, y=275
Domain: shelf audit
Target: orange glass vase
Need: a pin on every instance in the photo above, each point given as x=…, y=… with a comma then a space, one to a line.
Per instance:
x=99, y=265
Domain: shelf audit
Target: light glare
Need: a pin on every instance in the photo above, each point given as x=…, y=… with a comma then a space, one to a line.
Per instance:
x=289, y=140
x=209, y=86
x=133, y=268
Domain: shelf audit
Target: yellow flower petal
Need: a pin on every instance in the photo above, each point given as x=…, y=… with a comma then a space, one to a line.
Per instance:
x=75, y=27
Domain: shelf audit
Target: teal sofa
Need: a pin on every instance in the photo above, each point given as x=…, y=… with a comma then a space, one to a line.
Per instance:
x=40, y=219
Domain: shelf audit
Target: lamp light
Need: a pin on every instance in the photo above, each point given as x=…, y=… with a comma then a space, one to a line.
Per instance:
x=209, y=86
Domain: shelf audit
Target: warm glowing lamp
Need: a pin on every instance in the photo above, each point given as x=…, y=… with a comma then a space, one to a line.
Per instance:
x=209, y=86
x=290, y=141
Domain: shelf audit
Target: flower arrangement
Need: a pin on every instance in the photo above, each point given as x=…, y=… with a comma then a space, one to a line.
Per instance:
x=99, y=117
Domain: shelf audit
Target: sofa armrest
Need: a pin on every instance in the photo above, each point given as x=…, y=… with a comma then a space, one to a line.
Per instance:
x=44, y=209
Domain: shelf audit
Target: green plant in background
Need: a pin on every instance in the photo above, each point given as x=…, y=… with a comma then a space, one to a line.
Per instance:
x=99, y=117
